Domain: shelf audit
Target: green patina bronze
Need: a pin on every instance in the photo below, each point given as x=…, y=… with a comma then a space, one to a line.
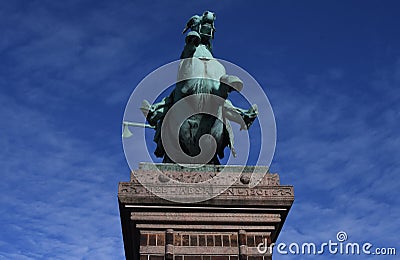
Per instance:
x=200, y=75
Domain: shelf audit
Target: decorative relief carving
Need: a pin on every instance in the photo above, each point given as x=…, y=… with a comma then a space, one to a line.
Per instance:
x=156, y=176
x=127, y=188
x=162, y=178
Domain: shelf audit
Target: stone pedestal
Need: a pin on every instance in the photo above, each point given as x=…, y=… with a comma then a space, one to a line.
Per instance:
x=228, y=226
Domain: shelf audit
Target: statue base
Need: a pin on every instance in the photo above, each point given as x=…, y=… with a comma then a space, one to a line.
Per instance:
x=228, y=226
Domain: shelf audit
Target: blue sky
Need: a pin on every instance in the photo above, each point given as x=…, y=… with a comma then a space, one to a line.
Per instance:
x=331, y=70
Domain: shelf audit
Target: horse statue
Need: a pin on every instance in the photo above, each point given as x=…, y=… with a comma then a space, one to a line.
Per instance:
x=198, y=107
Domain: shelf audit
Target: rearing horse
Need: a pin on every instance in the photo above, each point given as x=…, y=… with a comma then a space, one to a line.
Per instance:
x=198, y=107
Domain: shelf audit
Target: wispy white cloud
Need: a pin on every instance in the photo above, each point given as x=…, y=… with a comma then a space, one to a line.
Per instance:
x=67, y=70
x=343, y=165
x=58, y=193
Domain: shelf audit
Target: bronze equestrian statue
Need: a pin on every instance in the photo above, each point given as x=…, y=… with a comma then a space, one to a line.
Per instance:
x=202, y=88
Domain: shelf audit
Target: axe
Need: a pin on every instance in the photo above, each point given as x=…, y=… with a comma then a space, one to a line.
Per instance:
x=125, y=124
